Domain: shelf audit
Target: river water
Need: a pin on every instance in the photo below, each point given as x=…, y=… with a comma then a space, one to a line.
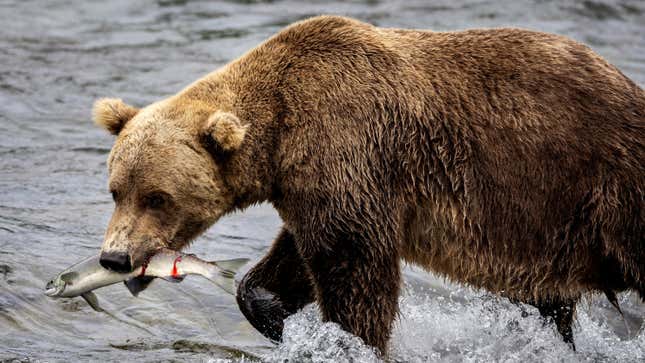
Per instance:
x=57, y=56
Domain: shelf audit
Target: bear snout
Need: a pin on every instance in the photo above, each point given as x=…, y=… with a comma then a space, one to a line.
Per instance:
x=116, y=261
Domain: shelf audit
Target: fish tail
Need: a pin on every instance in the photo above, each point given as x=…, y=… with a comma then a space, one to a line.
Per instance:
x=224, y=275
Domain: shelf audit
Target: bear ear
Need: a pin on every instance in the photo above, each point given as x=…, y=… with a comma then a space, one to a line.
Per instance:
x=112, y=114
x=226, y=130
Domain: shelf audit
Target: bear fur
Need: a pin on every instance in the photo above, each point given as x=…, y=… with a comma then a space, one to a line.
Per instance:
x=506, y=159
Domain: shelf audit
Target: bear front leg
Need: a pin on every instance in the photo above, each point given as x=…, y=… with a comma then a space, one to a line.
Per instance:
x=357, y=285
x=278, y=286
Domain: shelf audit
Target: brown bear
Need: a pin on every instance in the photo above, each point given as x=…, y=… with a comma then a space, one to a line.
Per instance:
x=507, y=159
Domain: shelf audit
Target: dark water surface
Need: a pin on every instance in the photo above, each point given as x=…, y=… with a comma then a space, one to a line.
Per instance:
x=56, y=57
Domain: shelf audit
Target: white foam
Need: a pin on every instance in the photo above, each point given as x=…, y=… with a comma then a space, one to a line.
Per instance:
x=460, y=325
x=307, y=339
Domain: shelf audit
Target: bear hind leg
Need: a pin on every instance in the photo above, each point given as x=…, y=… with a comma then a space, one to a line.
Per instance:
x=561, y=313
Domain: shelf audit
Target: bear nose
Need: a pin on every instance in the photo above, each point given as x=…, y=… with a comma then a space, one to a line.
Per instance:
x=116, y=261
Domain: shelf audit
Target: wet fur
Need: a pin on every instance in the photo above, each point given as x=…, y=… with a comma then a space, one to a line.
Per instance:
x=507, y=159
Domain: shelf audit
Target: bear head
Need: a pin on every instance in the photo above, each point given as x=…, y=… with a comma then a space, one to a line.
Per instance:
x=164, y=175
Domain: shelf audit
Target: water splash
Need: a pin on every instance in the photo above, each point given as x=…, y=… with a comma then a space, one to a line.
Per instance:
x=463, y=326
x=485, y=328
x=307, y=339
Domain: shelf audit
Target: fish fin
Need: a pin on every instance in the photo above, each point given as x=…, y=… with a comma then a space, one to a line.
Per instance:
x=224, y=277
x=137, y=284
x=92, y=300
x=230, y=267
x=176, y=279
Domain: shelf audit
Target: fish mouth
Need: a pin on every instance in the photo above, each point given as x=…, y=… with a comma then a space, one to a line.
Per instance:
x=51, y=289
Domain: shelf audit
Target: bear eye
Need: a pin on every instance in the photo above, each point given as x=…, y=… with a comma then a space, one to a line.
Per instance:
x=155, y=201
x=115, y=195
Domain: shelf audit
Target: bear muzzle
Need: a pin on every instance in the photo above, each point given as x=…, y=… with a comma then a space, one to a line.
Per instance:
x=116, y=261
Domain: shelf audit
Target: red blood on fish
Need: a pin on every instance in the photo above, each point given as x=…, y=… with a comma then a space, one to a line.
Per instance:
x=143, y=269
x=144, y=266
x=174, y=273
